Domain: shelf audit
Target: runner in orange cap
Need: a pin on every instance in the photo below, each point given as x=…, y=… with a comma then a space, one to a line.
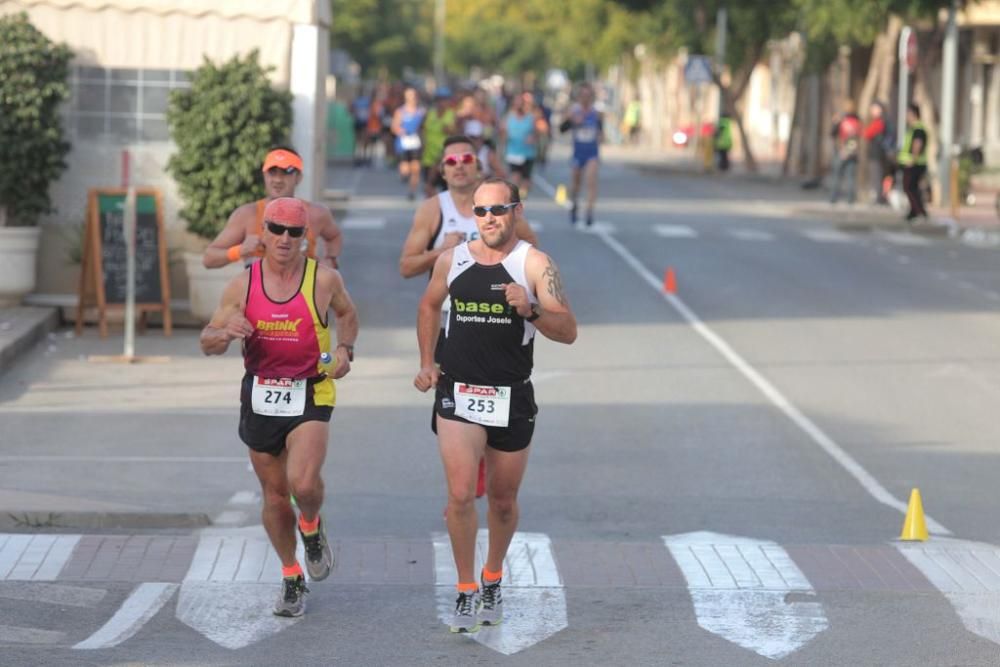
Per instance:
x=240, y=239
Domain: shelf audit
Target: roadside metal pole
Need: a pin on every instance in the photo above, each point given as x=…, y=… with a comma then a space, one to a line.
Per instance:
x=949, y=75
x=128, y=221
x=904, y=85
x=439, y=16
x=720, y=55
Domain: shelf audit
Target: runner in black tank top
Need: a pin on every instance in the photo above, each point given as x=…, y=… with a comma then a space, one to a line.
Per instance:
x=503, y=290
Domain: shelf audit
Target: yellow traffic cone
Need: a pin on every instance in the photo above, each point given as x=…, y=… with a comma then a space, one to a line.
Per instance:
x=561, y=194
x=914, y=527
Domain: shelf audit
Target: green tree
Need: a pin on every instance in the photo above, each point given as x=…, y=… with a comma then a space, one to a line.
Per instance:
x=33, y=72
x=223, y=125
x=384, y=36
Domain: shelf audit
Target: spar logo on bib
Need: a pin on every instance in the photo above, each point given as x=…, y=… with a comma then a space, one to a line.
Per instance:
x=477, y=390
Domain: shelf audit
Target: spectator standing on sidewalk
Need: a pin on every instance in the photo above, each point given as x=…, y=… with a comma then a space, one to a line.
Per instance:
x=847, y=143
x=723, y=141
x=912, y=159
x=278, y=311
x=881, y=140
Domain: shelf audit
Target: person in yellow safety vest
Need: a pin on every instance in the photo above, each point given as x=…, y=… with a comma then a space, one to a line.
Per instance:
x=723, y=141
x=912, y=159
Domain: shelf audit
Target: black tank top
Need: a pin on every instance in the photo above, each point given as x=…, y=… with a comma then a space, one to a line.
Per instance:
x=486, y=341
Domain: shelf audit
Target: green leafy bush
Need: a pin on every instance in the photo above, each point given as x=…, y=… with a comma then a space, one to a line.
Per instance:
x=222, y=126
x=33, y=73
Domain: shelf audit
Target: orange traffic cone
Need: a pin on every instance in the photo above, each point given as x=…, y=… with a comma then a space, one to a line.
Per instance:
x=914, y=526
x=670, y=281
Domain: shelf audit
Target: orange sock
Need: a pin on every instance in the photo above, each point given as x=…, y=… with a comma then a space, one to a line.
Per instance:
x=492, y=577
x=292, y=570
x=467, y=588
x=308, y=527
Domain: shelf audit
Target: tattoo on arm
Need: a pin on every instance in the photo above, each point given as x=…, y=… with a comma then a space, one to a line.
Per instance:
x=555, y=285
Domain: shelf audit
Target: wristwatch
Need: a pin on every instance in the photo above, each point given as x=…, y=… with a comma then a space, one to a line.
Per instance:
x=535, y=313
x=350, y=350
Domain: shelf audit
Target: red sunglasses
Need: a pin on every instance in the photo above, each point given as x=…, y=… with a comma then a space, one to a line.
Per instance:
x=464, y=158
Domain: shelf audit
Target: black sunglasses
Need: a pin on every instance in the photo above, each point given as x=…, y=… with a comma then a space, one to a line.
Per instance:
x=282, y=170
x=278, y=230
x=495, y=209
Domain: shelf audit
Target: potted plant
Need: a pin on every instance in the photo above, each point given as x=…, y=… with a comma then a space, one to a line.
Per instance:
x=33, y=74
x=222, y=126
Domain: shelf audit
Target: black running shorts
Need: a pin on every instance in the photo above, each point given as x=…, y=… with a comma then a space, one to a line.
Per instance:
x=520, y=424
x=268, y=434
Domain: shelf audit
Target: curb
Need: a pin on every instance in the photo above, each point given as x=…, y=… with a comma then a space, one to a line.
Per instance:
x=34, y=521
x=22, y=341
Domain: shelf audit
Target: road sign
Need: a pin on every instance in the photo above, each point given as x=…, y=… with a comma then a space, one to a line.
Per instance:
x=908, y=48
x=698, y=69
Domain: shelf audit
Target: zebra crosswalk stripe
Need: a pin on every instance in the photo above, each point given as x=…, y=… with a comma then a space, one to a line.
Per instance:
x=739, y=588
x=534, y=597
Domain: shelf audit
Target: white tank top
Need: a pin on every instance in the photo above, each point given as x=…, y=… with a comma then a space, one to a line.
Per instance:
x=453, y=221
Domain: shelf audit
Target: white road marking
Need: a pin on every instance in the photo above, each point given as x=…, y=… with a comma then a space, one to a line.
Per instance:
x=229, y=518
x=363, y=223
x=71, y=596
x=37, y=557
x=901, y=238
x=230, y=587
x=540, y=181
x=229, y=555
x=11, y=634
x=739, y=587
x=828, y=236
x=751, y=235
x=245, y=498
x=142, y=605
x=968, y=574
x=232, y=615
x=675, y=232
x=15, y=458
x=815, y=433
x=903, y=259
x=596, y=227
x=533, y=593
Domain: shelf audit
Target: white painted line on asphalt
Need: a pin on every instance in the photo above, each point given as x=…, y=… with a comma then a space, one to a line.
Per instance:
x=815, y=433
x=993, y=296
x=903, y=259
x=751, y=235
x=675, y=231
x=61, y=594
x=10, y=553
x=828, y=236
x=229, y=518
x=739, y=588
x=904, y=239
x=596, y=227
x=549, y=190
x=363, y=223
x=231, y=554
x=533, y=593
x=968, y=574
x=14, y=458
x=245, y=498
x=41, y=558
x=251, y=566
x=11, y=634
x=233, y=615
x=142, y=605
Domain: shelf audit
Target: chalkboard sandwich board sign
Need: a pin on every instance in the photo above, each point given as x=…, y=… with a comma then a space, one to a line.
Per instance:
x=103, y=275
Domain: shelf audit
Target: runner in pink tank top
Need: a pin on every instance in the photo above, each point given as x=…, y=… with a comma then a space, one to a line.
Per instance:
x=288, y=391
